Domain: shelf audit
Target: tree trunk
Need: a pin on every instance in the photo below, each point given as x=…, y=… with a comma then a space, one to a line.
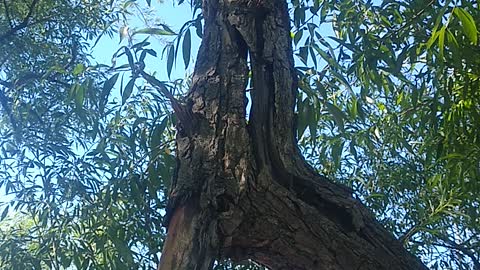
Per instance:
x=241, y=189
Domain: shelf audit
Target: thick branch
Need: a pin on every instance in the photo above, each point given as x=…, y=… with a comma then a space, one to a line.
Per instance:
x=30, y=76
x=21, y=25
x=184, y=116
x=249, y=181
x=211, y=159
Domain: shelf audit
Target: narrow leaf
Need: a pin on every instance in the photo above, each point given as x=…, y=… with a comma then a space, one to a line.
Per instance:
x=433, y=38
x=107, y=87
x=155, y=31
x=79, y=96
x=128, y=90
x=170, y=59
x=186, y=47
x=79, y=68
x=198, y=28
x=468, y=24
x=4, y=213
x=441, y=40
x=337, y=150
x=297, y=37
x=130, y=57
x=338, y=115
x=123, y=32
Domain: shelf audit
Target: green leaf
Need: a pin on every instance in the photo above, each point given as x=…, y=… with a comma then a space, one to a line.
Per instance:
x=142, y=57
x=156, y=137
x=303, y=54
x=186, y=47
x=140, y=45
x=328, y=58
x=337, y=150
x=121, y=84
x=312, y=121
x=438, y=20
x=128, y=90
x=108, y=85
x=338, y=115
x=79, y=68
x=155, y=31
x=299, y=16
x=432, y=39
x=167, y=28
x=123, y=249
x=341, y=78
x=130, y=57
x=452, y=40
x=4, y=213
x=468, y=24
x=353, y=107
x=123, y=32
x=311, y=28
x=151, y=52
x=441, y=40
x=349, y=46
x=170, y=59
x=302, y=120
x=313, y=56
x=297, y=37
x=198, y=28
x=79, y=96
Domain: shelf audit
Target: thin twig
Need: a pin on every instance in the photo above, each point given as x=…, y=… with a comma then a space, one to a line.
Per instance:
x=183, y=113
x=463, y=249
x=452, y=245
x=158, y=85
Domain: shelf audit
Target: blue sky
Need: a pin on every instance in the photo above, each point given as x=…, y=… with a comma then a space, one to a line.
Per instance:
x=167, y=12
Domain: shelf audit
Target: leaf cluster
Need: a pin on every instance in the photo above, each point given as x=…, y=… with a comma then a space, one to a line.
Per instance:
x=389, y=105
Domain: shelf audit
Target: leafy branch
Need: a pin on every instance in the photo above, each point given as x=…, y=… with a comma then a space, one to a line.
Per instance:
x=22, y=25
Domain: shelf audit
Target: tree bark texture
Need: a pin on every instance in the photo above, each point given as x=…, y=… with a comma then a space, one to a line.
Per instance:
x=241, y=188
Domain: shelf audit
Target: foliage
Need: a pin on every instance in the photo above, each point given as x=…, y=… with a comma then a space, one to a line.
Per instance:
x=388, y=104
x=82, y=167
x=391, y=103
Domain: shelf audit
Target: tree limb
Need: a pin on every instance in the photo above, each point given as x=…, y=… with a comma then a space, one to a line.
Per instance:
x=180, y=110
x=33, y=76
x=22, y=25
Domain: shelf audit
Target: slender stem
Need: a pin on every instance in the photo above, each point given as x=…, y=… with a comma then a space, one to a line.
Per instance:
x=453, y=245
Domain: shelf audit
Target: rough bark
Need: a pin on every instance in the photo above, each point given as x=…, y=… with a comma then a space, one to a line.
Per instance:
x=241, y=188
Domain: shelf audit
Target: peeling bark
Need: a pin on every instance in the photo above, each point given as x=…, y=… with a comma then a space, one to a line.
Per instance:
x=241, y=189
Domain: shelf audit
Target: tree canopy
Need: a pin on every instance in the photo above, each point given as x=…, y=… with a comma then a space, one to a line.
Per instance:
x=388, y=103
